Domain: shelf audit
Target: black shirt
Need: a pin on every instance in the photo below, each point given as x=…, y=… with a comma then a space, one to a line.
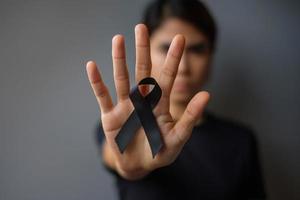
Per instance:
x=219, y=161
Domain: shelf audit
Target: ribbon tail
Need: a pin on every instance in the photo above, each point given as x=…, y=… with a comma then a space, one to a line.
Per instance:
x=128, y=131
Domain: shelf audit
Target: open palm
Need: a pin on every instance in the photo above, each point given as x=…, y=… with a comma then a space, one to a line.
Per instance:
x=138, y=156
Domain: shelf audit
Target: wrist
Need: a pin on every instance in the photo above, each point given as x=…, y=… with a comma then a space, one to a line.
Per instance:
x=131, y=174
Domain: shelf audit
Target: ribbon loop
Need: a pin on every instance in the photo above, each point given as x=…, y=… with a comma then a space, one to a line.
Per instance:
x=142, y=115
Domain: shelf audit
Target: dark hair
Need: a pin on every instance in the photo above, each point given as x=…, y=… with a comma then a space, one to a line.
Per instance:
x=192, y=11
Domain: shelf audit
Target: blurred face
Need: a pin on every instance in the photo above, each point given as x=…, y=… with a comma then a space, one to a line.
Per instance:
x=194, y=65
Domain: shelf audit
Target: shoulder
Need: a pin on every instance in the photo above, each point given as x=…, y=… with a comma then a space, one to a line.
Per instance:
x=230, y=129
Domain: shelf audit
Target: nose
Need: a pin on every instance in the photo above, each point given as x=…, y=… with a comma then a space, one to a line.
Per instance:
x=183, y=68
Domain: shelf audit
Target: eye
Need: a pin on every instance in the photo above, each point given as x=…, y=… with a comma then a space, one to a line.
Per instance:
x=198, y=48
x=164, y=48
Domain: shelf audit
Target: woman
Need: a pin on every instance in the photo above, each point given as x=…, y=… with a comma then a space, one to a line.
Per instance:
x=203, y=157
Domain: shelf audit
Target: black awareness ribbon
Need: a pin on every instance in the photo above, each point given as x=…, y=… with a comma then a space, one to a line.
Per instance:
x=142, y=115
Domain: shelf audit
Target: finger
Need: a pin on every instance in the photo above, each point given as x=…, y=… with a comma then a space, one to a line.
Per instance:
x=142, y=52
x=191, y=115
x=120, y=68
x=99, y=88
x=169, y=71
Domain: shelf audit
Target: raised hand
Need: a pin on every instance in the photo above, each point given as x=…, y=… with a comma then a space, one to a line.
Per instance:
x=137, y=160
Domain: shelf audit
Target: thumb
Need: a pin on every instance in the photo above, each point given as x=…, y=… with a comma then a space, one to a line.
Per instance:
x=192, y=113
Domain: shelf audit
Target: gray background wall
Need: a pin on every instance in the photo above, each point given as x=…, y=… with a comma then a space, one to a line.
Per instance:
x=48, y=112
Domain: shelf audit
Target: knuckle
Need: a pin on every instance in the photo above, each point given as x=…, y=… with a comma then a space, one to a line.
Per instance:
x=180, y=139
x=165, y=95
x=121, y=77
x=123, y=93
x=167, y=71
x=143, y=67
x=100, y=90
x=190, y=114
x=174, y=56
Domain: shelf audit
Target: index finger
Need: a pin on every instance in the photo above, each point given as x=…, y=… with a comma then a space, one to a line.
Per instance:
x=169, y=71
